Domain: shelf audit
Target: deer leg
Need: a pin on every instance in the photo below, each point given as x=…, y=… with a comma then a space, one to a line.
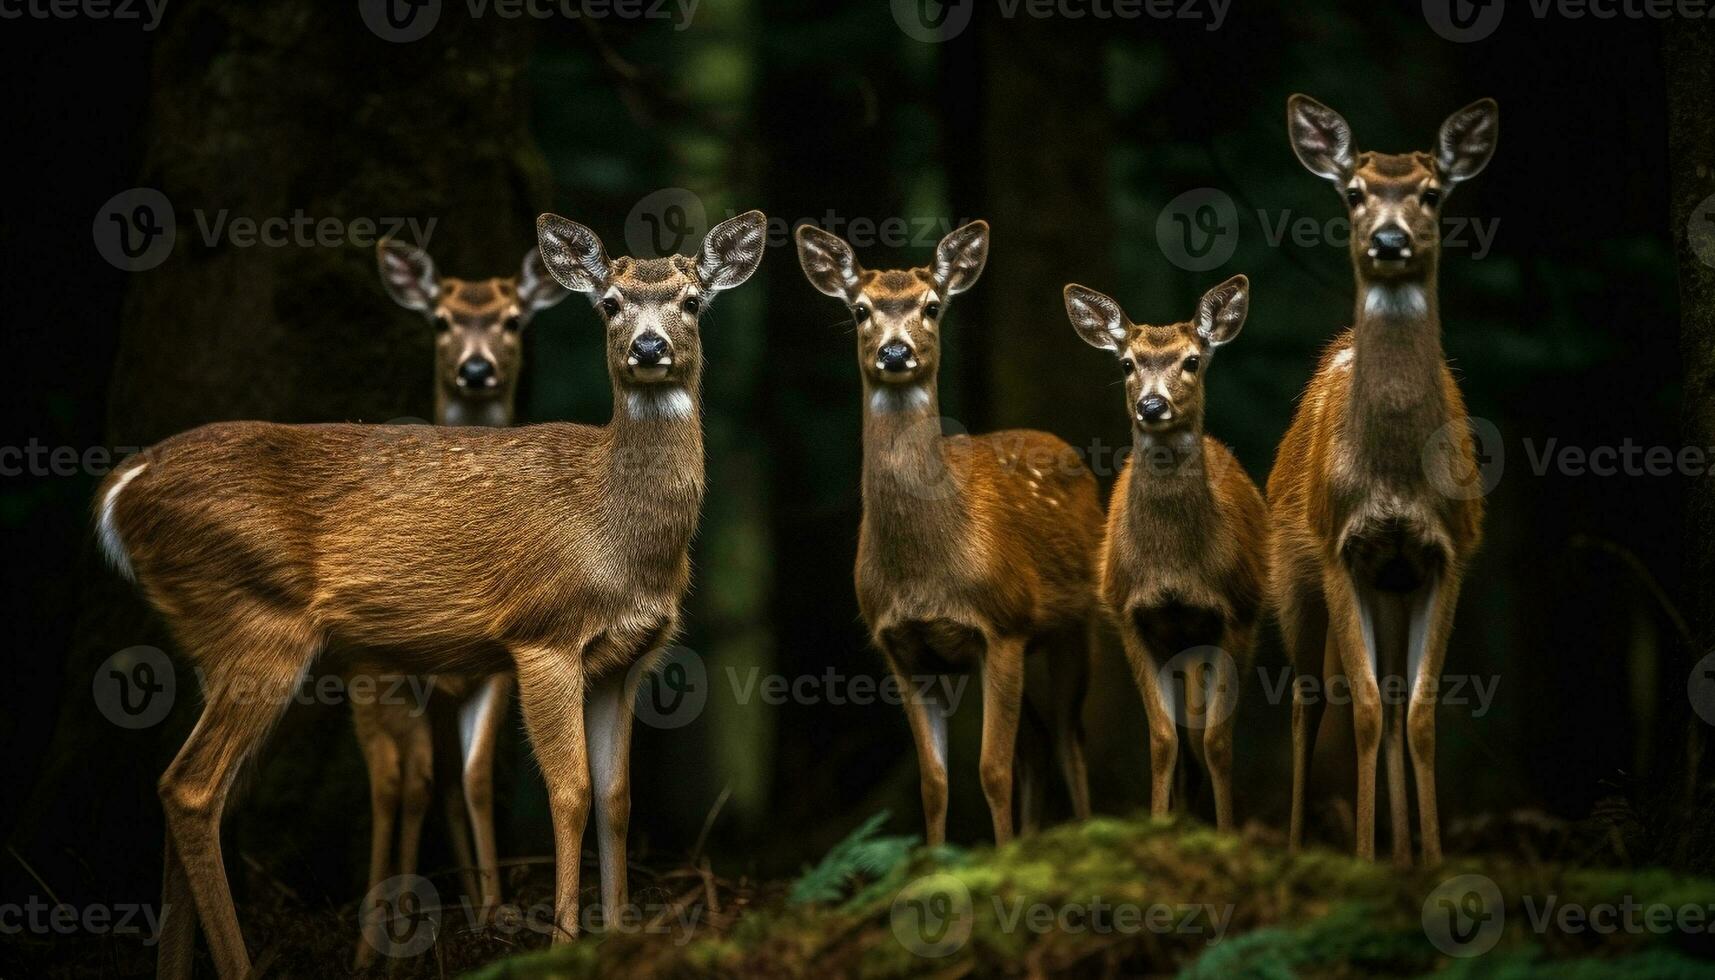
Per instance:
x=608, y=718
x=1351, y=625
x=551, y=691
x=1158, y=708
x=928, y=719
x=1304, y=628
x=381, y=757
x=481, y=719
x=449, y=787
x=1222, y=710
x=1431, y=626
x=1069, y=677
x=239, y=710
x=1029, y=771
x=1003, y=694
x=178, y=928
x=416, y=792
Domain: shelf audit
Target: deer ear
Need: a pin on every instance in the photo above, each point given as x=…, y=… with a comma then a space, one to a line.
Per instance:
x=828, y=262
x=960, y=257
x=1322, y=140
x=1222, y=311
x=537, y=287
x=409, y=275
x=1467, y=141
x=732, y=250
x=1096, y=317
x=573, y=254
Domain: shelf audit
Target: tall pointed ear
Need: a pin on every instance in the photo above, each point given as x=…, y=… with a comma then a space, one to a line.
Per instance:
x=1322, y=140
x=732, y=250
x=537, y=287
x=1467, y=141
x=409, y=275
x=960, y=257
x=1096, y=317
x=573, y=254
x=1222, y=311
x=829, y=262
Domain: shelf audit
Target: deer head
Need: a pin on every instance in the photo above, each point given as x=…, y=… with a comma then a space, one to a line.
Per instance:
x=478, y=323
x=1164, y=366
x=898, y=312
x=653, y=308
x=1394, y=198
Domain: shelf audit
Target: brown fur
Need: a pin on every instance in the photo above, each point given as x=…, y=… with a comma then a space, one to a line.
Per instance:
x=1361, y=532
x=974, y=550
x=1182, y=563
x=558, y=551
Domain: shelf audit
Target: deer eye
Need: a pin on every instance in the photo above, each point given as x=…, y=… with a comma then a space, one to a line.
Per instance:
x=443, y=323
x=1354, y=197
x=1431, y=197
x=610, y=306
x=932, y=311
x=692, y=305
x=1191, y=363
x=860, y=313
x=513, y=324
x=1128, y=367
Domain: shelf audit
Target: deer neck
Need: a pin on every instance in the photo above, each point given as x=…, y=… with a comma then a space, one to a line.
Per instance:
x=910, y=491
x=1396, y=399
x=454, y=408
x=1169, y=487
x=655, y=464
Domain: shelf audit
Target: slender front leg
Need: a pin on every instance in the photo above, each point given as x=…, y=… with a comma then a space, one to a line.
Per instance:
x=1003, y=694
x=481, y=719
x=1070, y=679
x=178, y=928
x=1431, y=627
x=417, y=791
x=1222, y=716
x=551, y=691
x=608, y=715
x=1351, y=626
x=381, y=757
x=1158, y=709
x=928, y=719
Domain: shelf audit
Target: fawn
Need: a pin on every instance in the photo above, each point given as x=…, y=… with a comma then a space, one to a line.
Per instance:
x=974, y=550
x=1182, y=562
x=448, y=743
x=1367, y=549
x=559, y=552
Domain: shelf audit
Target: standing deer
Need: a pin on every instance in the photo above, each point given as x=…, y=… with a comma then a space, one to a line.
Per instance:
x=448, y=743
x=556, y=551
x=1182, y=563
x=1367, y=549
x=974, y=550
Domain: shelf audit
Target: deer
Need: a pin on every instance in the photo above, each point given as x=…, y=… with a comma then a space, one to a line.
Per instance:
x=974, y=551
x=557, y=552
x=447, y=743
x=1182, y=564
x=1368, y=548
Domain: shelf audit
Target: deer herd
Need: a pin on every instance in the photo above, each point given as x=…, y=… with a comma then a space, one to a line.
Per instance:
x=551, y=560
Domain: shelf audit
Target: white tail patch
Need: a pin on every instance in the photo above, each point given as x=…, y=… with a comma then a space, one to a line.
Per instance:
x=668, y=404
x=108, y=532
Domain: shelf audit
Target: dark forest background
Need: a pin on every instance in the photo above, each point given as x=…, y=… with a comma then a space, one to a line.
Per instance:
x=1072, y=137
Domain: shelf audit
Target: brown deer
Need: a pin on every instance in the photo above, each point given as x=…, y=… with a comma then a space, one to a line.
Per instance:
x=974, y=550
x=556, y=551
x=1182, y=569
x=1368, y=546
x=448, y=742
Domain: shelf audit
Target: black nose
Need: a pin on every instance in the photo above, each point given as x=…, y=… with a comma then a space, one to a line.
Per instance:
x=649, y=349
x=1152, y=408
x=895, y=356
x=1389, y=243
x=476, y=372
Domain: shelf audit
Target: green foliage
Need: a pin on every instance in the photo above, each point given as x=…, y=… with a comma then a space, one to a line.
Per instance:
x=864, y=854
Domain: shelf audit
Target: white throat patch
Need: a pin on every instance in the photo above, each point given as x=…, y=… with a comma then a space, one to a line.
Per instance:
x=663, y=404
x=1388, y=300
x=891, y=400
